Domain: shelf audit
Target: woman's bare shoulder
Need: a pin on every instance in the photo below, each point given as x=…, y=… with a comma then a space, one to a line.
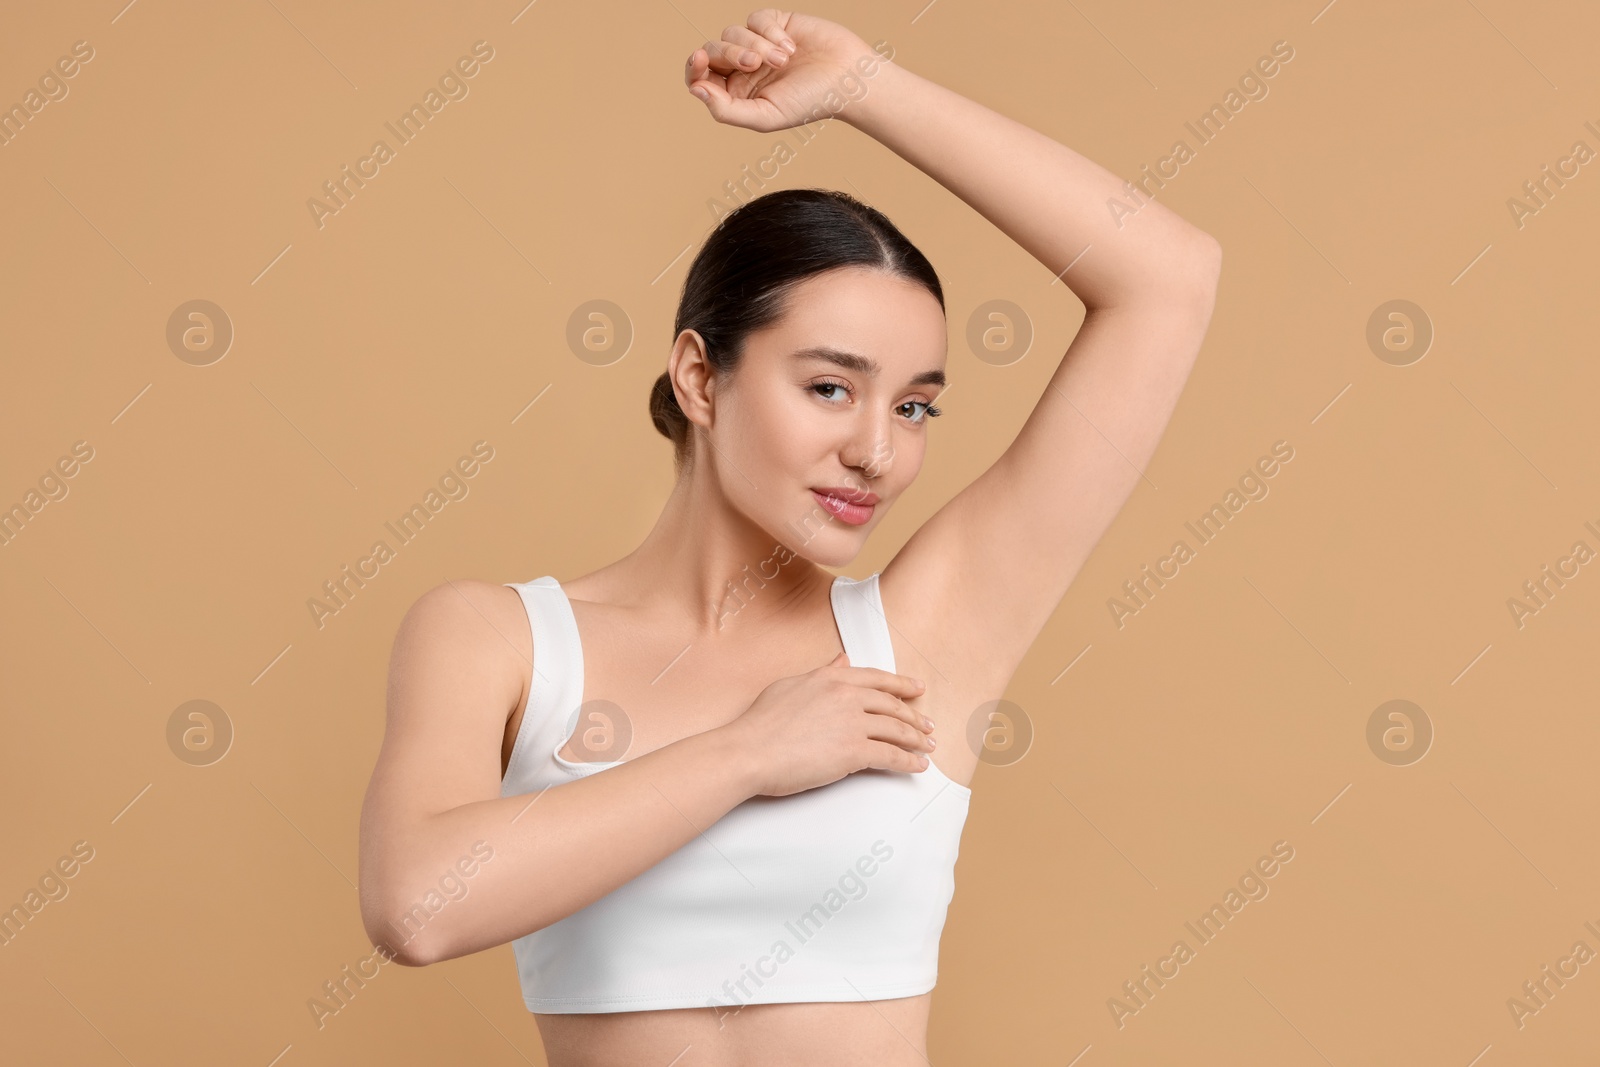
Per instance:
x=467, y=631
x=472, y=609
x=460, y=662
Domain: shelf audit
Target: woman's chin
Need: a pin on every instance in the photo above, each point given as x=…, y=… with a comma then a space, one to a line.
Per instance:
x=836, y=546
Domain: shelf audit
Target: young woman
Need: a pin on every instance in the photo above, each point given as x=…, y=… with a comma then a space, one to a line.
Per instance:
x=720, y=826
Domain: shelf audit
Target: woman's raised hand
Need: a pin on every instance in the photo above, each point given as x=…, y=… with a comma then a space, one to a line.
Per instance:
x=776, y=70
x=811, y=729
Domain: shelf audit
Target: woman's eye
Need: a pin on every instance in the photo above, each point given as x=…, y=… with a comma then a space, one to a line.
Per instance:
x=911, y=410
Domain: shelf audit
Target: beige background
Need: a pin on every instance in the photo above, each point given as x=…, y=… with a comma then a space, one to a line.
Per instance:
x=426, y=315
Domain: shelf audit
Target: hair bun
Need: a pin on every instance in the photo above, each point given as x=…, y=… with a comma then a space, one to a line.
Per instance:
x=665, y=412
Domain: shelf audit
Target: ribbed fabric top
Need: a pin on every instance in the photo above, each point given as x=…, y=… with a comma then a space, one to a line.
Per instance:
x=837, y=893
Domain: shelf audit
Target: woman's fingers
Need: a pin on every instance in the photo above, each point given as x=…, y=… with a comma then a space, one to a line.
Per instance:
x=895, y=732
x=887, y=757
x=698, y=69
x=901, y=685
x=702, y=68
x=713, y=91
x=707, y=78
x=758, y=50
x=897, y=713
x=772, y=24
x=728, y=57
x=753, y=44
x=743, y=49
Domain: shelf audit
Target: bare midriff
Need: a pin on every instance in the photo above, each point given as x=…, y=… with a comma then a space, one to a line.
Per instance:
x=880, y=1033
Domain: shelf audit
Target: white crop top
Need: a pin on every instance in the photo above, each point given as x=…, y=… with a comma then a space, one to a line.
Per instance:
x=837, y=893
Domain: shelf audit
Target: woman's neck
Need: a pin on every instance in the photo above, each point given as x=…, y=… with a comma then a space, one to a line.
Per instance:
x=705, y=560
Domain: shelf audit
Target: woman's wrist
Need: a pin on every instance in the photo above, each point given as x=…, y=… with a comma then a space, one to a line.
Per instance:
x=736, y=762
x=884, y=84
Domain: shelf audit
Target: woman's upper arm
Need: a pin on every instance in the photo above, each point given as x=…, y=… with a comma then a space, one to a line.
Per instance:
x=986, y=571
x=457, y=671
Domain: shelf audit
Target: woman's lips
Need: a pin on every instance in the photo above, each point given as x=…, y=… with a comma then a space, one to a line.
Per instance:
x=837, y=504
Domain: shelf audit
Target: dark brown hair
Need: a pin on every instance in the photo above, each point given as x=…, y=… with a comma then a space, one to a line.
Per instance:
x=742, y=277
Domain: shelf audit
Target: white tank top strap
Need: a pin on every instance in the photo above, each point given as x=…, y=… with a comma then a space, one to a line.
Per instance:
x=863, y=627
x=556, y=689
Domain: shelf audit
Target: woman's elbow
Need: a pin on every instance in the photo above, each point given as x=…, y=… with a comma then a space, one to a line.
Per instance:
x=419, y=932
x=1203, y=266
x=406, y=937
x=406, y=932
x=1196, y=276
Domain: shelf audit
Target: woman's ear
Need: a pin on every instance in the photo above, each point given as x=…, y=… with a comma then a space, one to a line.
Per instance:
x=693, y=377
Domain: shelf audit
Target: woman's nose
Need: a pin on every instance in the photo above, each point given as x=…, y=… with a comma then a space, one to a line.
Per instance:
x=874, y=455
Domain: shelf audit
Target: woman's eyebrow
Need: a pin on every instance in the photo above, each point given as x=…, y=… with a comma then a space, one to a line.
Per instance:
x=863, y=365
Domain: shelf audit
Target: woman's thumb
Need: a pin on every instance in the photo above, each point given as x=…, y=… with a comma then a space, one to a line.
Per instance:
x=749, y=114
x=713, y=96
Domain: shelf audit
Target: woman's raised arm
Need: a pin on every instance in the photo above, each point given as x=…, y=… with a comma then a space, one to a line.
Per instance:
x=989, y=568
x=974, y=586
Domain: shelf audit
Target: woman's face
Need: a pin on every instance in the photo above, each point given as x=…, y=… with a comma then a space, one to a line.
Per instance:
x=823, y=423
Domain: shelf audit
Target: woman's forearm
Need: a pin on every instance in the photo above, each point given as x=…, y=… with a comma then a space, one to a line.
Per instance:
x=1049, y=199
x=553, y=852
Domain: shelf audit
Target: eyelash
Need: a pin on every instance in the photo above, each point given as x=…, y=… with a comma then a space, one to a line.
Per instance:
x=928, y=410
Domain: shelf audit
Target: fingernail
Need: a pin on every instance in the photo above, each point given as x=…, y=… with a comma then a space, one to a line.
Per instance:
x=748, y=57
x=790, y=45
x=778, y=58
x=927, y=723
x=701, y=93
x=932, y=743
